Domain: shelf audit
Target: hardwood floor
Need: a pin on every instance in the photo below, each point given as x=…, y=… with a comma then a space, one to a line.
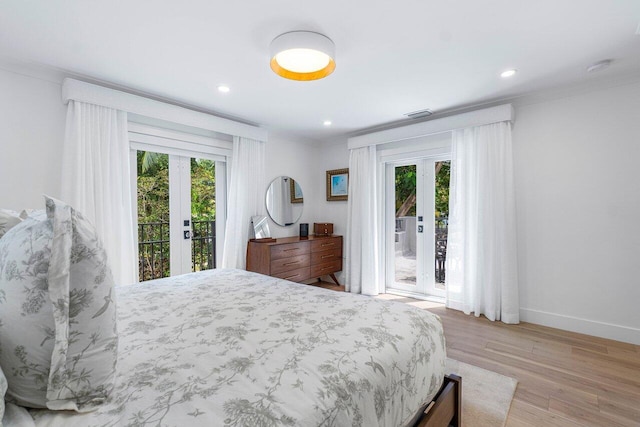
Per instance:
x=564, y=378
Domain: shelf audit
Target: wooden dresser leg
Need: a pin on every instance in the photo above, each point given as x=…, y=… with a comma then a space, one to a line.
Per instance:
x=333, y=277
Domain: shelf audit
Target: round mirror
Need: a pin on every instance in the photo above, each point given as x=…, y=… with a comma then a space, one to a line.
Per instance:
x=284, y=201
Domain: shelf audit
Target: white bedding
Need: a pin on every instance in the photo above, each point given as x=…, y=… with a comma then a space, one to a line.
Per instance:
x=234, y=348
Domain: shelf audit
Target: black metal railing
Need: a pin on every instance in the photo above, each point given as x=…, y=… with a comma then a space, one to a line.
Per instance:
x=153, y=248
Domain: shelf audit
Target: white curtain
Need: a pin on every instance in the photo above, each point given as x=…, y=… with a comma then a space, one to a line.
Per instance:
x=362, y=246
x=96, y=180
x=482, y=275
x=246, y=198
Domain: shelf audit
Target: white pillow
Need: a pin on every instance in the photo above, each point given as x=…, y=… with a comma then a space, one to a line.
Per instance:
x=59, y=355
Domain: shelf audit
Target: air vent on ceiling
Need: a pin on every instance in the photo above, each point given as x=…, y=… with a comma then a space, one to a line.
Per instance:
x=419, y=114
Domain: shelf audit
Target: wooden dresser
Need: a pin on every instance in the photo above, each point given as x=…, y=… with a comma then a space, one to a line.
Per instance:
x=297, y=259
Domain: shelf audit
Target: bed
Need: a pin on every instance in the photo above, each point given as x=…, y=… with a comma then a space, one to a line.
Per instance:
x=235, y=348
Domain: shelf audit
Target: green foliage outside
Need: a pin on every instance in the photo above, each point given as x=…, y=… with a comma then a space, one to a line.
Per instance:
x=442, y=189
x=406, y=178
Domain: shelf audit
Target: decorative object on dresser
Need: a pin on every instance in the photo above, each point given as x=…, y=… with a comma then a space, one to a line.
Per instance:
x=260, y=229
x=338, y=184
x=322, y=229
x=297, y=259
x=304, y=229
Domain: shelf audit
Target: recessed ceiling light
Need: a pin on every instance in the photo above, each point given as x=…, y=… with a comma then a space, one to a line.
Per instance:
x=600, y=65
x=508, y=73
x=327, y=123
x=223, y=88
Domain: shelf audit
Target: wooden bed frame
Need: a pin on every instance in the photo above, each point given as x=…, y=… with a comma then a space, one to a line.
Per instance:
x=446, y=408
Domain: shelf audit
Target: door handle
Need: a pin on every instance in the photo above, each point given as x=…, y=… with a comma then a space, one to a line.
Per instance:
x=420, y=228
x=187, y=234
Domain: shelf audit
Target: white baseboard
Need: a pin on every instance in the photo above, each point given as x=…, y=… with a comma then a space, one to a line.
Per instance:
x=583, y=326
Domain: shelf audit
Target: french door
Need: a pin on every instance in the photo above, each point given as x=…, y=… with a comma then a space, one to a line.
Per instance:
x=180, y=222
x=417, y=191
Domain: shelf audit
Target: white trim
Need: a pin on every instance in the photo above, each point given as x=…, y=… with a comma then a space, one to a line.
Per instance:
x=160, y=145
x=485, y=116
x=221, y=207
x=93, y=94
x=179, y=136
x=583, y=326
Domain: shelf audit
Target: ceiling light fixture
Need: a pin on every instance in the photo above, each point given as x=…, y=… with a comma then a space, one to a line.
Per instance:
x=327, y=123
x=600, y=65
x=302, y=55
x=223, y=89
x=508, y=73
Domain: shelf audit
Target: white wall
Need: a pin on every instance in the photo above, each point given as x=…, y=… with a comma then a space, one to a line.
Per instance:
x=288, y=156
x=333, y=155
x=578, y=204
x=32, y=120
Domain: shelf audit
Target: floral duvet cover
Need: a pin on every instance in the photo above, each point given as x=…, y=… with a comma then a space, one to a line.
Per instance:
x=234, y=348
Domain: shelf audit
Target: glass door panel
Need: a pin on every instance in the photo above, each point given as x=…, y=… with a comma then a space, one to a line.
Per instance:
x=405, y=237
x=203, y=214
x=442, y=174
x=153, y=215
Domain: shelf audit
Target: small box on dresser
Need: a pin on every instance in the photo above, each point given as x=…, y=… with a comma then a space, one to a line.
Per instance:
x=322, y=228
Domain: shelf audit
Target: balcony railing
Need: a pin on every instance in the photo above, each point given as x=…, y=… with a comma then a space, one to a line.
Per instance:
x=153, y=248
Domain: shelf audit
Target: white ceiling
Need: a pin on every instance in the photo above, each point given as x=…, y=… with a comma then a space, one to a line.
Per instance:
x=393, y=57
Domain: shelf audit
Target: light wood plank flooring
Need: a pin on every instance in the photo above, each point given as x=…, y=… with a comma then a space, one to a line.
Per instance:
x=564, y=378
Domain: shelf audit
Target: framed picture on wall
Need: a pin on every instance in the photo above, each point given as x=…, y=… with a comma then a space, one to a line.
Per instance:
x=296, y=191
x=338, y=184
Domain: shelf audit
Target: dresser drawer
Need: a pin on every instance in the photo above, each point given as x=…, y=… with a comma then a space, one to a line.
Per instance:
x=289, y=263
x=289, y=250
x=326, y=256
x=326, y=244
x=326, y=268
x=297, y=275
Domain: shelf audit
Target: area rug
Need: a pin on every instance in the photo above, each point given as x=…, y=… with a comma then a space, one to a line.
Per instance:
x=486, y=395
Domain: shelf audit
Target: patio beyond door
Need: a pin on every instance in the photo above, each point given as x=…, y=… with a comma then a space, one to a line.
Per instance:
x=417, y=207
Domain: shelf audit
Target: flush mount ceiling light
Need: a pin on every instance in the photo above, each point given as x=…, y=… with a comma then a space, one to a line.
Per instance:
x=508, y=73
x=327, y=123
x=302, y=55
x=223, y=88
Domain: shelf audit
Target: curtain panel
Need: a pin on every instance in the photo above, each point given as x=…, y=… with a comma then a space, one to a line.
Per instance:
x=96, y=180
x=245, y=199
x=362, y=246
x=482, y=273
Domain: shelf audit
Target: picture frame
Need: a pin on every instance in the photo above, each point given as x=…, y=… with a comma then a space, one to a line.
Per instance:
x=338, y=184
x=296, y=191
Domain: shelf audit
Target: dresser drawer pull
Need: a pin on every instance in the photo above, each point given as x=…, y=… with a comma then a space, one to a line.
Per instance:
x=327, y=244
x=326, y=268
x=291, y=249
x=291, y=263
x=291, y=277
x=327, y=256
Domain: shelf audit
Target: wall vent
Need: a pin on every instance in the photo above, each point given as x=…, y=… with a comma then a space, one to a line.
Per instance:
x=419, y=114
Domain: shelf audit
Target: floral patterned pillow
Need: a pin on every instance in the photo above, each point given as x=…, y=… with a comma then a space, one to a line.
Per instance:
x=3, y=390
x=57, y=314
x=8, y=220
